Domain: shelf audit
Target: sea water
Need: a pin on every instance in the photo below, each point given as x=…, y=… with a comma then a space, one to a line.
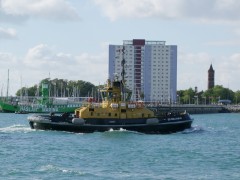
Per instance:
x=208, y=150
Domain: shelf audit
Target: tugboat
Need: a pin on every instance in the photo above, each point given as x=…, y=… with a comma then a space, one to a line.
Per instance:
x=113, y=114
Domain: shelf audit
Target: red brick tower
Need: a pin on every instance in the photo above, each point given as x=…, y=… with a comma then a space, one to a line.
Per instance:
x=211, y=77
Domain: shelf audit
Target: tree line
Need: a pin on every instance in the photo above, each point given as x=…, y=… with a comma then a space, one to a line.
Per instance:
x=210, y=96
x=60, y=88
x=80, y=88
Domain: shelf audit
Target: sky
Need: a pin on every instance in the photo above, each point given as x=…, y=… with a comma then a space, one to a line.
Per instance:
x=69, y=39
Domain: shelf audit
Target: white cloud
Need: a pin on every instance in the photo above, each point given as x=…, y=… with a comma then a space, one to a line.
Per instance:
x=193, y=70
x=204, y=10
x=41, y=56
x=7, y=33
x=228, y=71
x=7, y=60
x=233, y=42
x=136, y=9
x=43, y=60
x=191, y=58
x=237, y=31
x=59, y=10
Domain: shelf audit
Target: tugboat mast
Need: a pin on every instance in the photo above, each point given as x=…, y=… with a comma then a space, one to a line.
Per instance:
x=123, y=73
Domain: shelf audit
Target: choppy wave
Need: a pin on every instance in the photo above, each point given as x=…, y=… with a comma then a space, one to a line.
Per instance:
x=199, y=129
x=56, y=169
x=16, y=128
x=89, y=174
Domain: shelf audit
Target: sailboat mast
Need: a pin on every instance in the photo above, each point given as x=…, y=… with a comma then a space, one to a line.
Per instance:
x=21, y=93
x=8, y=83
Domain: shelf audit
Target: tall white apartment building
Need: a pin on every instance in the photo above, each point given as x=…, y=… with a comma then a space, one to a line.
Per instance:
x=150, y=69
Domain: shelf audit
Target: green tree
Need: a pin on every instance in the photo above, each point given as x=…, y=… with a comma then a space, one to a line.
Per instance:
x=218, y=92
x=186, y=97
x=24, y=91
x=61, y=88
x=236, y=97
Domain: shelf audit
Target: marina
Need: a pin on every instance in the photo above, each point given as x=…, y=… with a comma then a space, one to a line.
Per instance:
x=41, y=104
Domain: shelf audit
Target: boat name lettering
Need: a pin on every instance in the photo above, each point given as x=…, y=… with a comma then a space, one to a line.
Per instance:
x=36, y=109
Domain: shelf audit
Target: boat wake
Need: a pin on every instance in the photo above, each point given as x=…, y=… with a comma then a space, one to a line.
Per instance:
x=121, y=130
x=16, y=128
x=194, y=129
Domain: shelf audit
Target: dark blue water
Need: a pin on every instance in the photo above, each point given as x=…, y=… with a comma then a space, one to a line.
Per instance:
x=209, y=150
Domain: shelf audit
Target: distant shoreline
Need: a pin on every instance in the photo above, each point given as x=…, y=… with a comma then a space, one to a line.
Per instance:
x=194, y=109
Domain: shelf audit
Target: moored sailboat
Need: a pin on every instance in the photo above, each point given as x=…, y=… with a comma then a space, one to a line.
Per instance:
x=42, y=104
